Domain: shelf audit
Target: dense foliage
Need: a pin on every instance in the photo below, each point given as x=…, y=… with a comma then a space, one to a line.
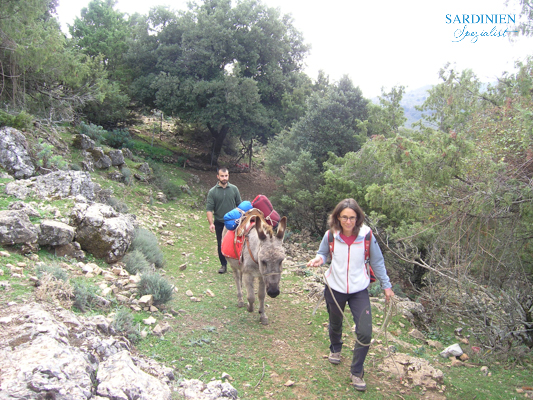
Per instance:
x=229, y=68
x=42, y=73
x=451, y=201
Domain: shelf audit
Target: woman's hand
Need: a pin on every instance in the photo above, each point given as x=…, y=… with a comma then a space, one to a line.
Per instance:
x=315, y=262
x=388, y=294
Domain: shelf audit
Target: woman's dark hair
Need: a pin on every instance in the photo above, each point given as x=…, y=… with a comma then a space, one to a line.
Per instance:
x=334, y=223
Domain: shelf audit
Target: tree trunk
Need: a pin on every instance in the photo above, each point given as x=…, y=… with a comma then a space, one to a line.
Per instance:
x=250, y=154
x=220, y=137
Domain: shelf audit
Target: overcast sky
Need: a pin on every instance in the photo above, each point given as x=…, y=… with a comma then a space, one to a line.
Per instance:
x=382, y=43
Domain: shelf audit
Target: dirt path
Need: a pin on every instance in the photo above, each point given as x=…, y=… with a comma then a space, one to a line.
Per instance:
x=286, y=359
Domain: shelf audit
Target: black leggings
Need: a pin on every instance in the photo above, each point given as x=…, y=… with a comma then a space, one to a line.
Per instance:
x=359, y=303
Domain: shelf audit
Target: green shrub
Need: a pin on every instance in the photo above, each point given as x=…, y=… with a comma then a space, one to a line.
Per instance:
x=117, y=205
x=136, y=262
x=128, y=176
x=153, y=152
x=119, y=138
x=75, y=167
x=112, y=110
x=374, y=289
x=156, y=285
x=95, y=132
x=52, y=269
x=170, y=189
x=20, y=121
x=123, y=323
x=84, y=295
x=46, y=159
x=146, y=242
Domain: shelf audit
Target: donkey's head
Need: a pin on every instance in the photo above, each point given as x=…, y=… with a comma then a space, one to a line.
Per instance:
x=271, y=254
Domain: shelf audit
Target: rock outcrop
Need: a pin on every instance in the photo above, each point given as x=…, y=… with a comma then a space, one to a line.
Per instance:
x=48, y=352
x=58, y=184
x=14, y=154
x=102, y=231
x=16, y=228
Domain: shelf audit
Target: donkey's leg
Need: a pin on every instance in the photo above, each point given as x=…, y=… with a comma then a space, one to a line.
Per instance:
x=250, y=293
x=261, y=294
x=237, y=275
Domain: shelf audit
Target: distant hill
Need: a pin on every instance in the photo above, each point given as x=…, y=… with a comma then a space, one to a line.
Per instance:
x=411, y=99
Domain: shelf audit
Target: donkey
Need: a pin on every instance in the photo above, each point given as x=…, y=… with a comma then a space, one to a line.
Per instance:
x=262, y=256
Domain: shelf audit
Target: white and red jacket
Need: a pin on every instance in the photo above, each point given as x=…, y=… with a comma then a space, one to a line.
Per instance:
x=347, y=272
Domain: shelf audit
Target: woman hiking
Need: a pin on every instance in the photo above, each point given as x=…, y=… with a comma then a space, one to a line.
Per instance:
x=347, y=281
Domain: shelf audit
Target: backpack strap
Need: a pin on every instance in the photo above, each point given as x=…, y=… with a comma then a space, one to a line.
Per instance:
x=369, y=270
x=368, y=238
x=331, y=241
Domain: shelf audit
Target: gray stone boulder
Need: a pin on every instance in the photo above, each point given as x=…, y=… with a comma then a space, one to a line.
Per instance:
x=116, y=156
x=70, y=250
x=55, y=185
x=55, y=233
x=119, y=378
x=214, y=390
x=145, y=168
x=414, y=371
x=83, y=142
x=116, y=176
x=88, y=162
x=25, y=207
x=100, y=159
x=47, y=352
x=14, y=154
x=16, y=228
x=127, y=153
x=102, y=231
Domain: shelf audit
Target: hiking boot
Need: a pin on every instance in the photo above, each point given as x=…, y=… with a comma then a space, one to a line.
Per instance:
x=358, y=383
x=222, y=269
x=335, y=358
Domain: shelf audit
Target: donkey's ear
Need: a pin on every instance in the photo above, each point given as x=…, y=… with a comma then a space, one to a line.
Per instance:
x=259, y=229
x=281, y=228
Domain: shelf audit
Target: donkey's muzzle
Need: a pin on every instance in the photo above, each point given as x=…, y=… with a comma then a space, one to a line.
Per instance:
x=273, y=292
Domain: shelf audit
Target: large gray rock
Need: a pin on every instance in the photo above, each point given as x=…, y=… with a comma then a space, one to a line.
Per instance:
x=101, y=160
x=47, y=352
x=14, y=155
x=83, y=142
x=27, y=208
x=58, y=185
x=127, y=153
x=16, y=228
x=116, y=156
x=119, y=379
x=70, y=250
x=102, y=231
x=414, y=371
x=214, y=390
x=55, y=233
x=45, y=365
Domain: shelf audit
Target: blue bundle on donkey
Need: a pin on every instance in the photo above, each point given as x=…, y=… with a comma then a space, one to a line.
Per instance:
x=232, y=218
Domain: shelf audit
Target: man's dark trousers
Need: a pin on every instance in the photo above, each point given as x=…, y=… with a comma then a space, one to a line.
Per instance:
x=219, y=227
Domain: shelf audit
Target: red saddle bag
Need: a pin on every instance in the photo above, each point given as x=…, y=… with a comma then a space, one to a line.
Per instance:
x=232, y=246
x=261, y=202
